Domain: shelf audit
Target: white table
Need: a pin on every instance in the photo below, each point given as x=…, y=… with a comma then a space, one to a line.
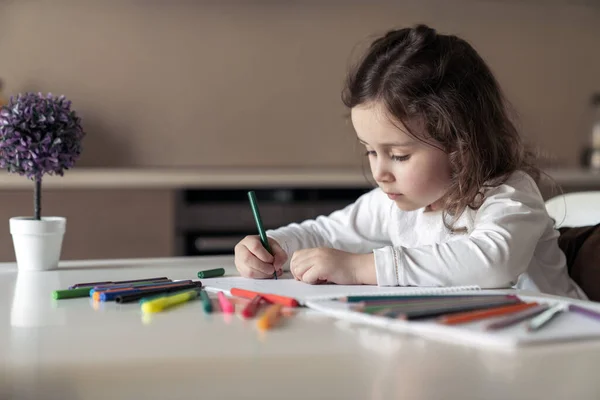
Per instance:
x=71, y=349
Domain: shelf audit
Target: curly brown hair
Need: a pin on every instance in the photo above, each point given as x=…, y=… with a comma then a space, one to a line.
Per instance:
x=420, y=75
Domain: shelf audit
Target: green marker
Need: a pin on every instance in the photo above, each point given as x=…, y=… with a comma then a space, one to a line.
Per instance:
x=71, y=293
x=206, y=303
x=211, y=273
x=259, y=225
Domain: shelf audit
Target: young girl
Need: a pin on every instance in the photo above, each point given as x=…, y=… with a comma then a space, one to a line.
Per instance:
x=457, y=201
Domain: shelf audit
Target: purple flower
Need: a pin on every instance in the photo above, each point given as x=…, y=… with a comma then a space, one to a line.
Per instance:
x=39, y=135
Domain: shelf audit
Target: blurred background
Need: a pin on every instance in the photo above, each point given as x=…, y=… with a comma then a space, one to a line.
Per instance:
x=173, y=93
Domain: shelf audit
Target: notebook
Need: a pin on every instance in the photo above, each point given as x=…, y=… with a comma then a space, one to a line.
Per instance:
x=303, y=292
x=565, y=327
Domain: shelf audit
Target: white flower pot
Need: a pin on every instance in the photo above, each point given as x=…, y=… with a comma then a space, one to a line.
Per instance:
x=38, y=243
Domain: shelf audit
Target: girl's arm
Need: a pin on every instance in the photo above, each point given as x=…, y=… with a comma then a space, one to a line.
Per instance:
x=506, y=231
x=358, y=228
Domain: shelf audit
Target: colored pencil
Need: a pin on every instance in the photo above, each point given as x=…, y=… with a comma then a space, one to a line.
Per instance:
x=516, y=318
x=584, y=311
x=437, y=311
x=471, y=316
x=544, y=318
x=433, y=304
x=358, y=299
x=427, y=299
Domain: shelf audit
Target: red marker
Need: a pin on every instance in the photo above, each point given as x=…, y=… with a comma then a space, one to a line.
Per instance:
x=250, y=310
x=271, y=298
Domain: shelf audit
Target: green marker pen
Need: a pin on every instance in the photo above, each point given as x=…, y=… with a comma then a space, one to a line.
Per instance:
x=259, y=225
x=206, y=303
x=72, y=293
x=211, y=273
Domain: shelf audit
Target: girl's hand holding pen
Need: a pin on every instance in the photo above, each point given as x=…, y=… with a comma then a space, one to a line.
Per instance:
x=252, y=260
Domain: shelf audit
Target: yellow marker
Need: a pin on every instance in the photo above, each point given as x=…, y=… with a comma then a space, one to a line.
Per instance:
x=270, y=317
x=168, y=301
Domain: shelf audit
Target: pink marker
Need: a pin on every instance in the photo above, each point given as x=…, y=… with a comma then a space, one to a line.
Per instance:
x=226, y=306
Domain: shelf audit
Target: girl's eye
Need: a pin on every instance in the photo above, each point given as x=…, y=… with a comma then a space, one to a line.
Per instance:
x=370, y=153
x=400, y=158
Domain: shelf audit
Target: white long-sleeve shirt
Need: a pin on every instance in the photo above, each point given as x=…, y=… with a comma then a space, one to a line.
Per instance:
x=509, y=241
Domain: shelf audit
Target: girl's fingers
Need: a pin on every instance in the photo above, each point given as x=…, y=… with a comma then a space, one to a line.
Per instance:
x=250, y=266
x=299, y=267
x=311, y=276
x=254, y=245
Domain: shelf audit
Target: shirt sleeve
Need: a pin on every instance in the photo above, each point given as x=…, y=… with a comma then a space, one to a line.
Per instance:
x=360, y=227
x=506, y=230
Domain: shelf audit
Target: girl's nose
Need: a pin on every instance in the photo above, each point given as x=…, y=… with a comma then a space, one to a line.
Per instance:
x=381, y=172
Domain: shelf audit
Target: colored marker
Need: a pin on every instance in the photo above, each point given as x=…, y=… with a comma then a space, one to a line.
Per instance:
x=270, y=317
x=71, y=293
x=168, y=301
x=226, y=306
x=206, y=303
x=111, y=294
x=250, y=310
x=271, y=298
x=542, y=320
x=131, y=284
x=91, y=284
x=153, y=294
x=211, y=273
x=259, y=225
x=127, y=286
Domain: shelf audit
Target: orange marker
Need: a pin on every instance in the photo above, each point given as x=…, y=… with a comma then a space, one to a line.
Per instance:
x=226, y=306
x=270, y=317
x=470, y=316
x=271, y=298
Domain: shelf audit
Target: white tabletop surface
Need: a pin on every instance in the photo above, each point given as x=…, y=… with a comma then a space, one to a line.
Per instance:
x=73, y=349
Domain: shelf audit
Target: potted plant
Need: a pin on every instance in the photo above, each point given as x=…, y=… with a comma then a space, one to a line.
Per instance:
x=38, y=135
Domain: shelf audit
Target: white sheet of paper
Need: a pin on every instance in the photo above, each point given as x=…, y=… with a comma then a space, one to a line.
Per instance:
x=303, y=292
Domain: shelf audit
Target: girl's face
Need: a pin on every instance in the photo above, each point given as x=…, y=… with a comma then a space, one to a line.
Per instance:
x=413, y=174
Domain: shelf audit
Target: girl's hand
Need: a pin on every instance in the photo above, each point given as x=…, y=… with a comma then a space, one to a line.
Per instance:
x=323, y=265
x=252, y=260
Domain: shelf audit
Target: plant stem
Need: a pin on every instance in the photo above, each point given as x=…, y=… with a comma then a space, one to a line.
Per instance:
x=37, y=194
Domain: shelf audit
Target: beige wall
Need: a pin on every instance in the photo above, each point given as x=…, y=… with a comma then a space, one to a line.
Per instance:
x=195, y=83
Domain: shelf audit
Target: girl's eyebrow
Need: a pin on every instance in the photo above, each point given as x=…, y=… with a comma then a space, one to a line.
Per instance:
x=390, y=144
